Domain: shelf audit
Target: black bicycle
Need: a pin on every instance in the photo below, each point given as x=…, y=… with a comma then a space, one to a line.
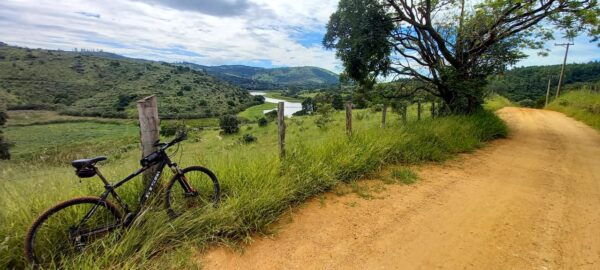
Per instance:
x=68, y=226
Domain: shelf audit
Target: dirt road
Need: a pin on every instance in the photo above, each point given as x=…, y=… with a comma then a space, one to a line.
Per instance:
x=531, y=201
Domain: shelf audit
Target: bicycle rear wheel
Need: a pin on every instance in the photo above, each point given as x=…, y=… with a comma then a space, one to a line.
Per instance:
x=62, y=230
x=196, y=186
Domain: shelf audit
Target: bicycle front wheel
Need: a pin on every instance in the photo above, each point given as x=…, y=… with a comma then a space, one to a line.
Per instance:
x=194, y=187
x=67, y=227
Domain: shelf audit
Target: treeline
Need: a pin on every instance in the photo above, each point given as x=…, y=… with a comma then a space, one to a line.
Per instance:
x=529, y=84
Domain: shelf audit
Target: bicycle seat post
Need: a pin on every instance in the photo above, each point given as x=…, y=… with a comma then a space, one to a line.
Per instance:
x=106, y=183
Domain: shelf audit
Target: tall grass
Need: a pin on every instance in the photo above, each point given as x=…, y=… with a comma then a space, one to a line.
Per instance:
x=583, y=105
x=496, y=102
x=257, y=186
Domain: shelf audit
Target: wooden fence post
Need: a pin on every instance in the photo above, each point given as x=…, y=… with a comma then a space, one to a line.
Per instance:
x=281, y=126
x=404, y=113
x=433, y=108
x=383, y=114
x=418, y=109
x=349, y=118
x=149, y=128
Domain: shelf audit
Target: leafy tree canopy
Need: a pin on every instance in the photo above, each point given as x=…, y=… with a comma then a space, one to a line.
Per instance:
x=448, y=45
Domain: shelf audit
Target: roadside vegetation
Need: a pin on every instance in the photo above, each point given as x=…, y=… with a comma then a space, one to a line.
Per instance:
x=583, y=105
x=496, y=102
x=257, y=187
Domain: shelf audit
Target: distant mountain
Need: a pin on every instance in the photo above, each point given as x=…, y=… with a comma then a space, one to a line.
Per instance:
x=256, y=78
x=108, y=85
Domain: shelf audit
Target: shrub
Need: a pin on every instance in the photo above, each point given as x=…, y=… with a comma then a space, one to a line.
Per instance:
x=263, y=122
x=229, y=124
x=324, y=116
x=271, y=115
x=527, y=103
x=248, y=138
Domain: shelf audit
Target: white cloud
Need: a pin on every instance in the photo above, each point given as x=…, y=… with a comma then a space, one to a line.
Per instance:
x=139, y=29
x=256, y=32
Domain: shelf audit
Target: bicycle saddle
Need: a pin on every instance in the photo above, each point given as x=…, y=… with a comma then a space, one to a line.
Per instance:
x=87, y=161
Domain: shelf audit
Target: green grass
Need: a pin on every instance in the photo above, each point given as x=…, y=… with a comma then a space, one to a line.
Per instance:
x=257, y=187
x=496, y=102
x=256, y=112
x=38, y=117
x=65, y=141
x=583, y=105
x=403, y=175
x=278, y=95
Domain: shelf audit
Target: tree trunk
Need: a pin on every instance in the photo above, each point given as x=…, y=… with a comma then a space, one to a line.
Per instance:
x=460, y=103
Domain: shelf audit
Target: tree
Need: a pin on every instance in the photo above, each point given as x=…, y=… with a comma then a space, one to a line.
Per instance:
x=448, y=47
x=337, y=102
x=229, y=124
x=308, y=105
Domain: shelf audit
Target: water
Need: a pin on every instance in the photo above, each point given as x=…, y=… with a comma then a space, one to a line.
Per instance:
x=289, y=108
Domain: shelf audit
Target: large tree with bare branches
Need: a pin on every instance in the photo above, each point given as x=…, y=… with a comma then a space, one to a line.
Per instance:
x=450, y=46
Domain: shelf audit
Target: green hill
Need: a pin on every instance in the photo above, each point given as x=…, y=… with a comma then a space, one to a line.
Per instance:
x=270, y=78
x=531, y=82
x=104, y=84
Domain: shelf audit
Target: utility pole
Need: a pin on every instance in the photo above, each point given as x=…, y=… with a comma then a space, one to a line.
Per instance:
x=562, y=70
x=548, y=90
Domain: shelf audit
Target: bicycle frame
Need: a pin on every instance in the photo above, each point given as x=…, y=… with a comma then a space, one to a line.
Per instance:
x=129, y=216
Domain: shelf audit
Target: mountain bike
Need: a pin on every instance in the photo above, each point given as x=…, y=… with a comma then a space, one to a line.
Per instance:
x=69, y=226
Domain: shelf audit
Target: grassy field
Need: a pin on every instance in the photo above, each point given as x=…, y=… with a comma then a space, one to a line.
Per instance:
x=256, y=111
x=583, y=105
x=37, y=117
x=43, y=140
x=257, y=187
x=496, y=102
x=278, y=95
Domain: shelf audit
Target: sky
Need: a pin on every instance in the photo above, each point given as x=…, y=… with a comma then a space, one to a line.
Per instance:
x=264, y=33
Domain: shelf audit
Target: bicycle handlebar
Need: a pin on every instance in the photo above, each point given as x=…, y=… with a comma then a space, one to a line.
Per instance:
x=181, y=137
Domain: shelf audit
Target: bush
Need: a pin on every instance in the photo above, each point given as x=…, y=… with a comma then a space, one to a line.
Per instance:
x=263, y=122
x=527, y=103
x=271, y=115
x=229, y=124
x=248, y=138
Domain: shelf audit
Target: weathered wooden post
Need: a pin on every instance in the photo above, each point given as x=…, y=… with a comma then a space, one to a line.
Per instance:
x=149, y=128
x=404, y=113
x=383, y=114
x=418, y=109
x=349, y=118
x=433, y=108
x=281, y=126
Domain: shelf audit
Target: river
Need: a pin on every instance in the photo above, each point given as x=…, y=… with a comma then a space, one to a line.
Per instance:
x=289, y=108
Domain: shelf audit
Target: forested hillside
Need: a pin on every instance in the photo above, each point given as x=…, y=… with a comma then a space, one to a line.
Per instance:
x=531, y=82
x=101, y=84
x=270, y=78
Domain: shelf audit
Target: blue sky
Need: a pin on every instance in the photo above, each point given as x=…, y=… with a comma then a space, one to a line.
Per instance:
x=265, y=33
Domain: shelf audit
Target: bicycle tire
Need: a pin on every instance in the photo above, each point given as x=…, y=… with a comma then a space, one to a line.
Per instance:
x=207, y=191
x=33, y=252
